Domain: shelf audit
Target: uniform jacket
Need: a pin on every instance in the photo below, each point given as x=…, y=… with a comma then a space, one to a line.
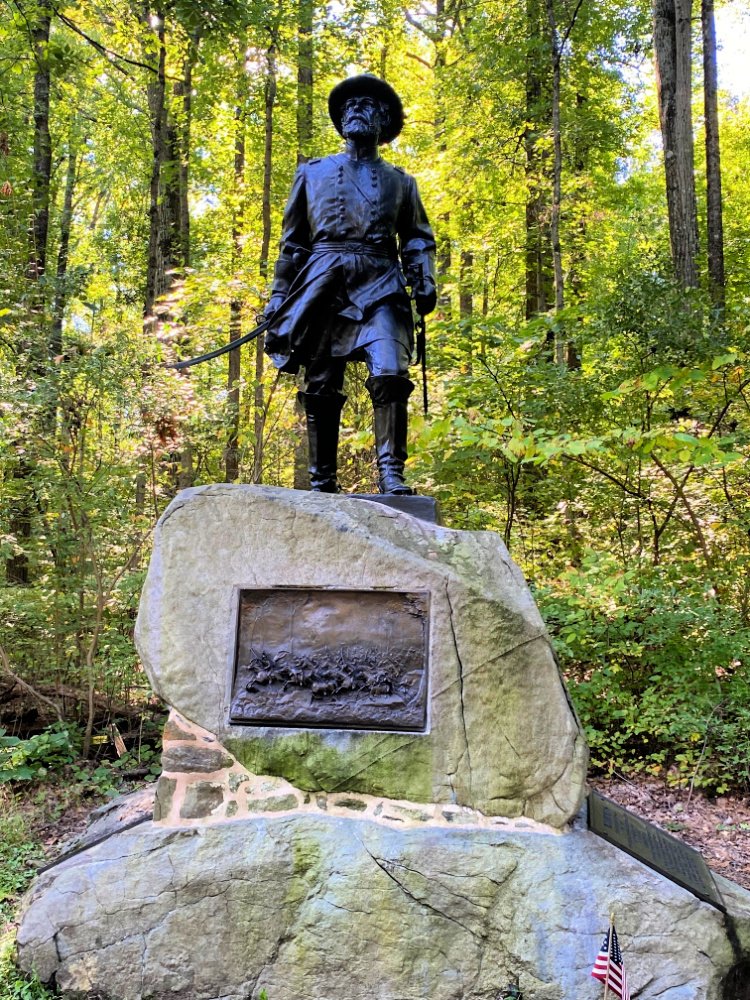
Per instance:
x=354, y=233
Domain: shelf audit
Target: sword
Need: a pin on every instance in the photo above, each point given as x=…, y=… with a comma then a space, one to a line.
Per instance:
x=231, y=346
x=247, y=337
x=422, y=356
x=421, y=328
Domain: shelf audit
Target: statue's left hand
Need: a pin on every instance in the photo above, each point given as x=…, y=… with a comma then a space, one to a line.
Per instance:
x=425, y=296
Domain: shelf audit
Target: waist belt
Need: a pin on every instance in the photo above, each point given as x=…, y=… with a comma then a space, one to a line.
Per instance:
x=387, y=250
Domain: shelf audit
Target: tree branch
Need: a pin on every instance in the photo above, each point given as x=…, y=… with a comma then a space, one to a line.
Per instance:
x=686, y=504
x=27, y=687
x=103, y=49
x=607, y=475
x=419, y=59
x=568, y=30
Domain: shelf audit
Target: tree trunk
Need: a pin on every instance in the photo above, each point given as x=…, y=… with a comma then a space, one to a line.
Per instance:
x=305, y=58
x=183, y=92
x=466, y=291
x=61, y=291
x=66, y=218
x=164, y=193
x=259, y=415
x=232, y=455
x=19, y=494
x=554, y=226
x=672, y=47
x=42, y=163
x=714, y=220
x=466, y=306
x=539, y=263
x=305, y=20
x=566, y=354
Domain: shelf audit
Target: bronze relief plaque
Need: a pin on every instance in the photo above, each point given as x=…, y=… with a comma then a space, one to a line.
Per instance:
x=337, y=659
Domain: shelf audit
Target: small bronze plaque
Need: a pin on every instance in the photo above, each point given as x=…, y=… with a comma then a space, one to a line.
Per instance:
x=655, y=848
x=339, y=659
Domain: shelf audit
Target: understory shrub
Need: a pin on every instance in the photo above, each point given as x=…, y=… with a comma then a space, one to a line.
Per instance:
x=659, y=671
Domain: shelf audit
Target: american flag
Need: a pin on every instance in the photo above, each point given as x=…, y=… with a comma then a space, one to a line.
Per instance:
x=608, y=967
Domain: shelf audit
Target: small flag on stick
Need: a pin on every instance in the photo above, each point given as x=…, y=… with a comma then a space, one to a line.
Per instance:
x=608, y=967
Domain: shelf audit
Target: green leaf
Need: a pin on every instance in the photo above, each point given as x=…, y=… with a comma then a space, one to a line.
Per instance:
x=723, y=359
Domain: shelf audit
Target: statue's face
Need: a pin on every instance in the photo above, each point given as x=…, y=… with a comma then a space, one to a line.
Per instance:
x=362, y=118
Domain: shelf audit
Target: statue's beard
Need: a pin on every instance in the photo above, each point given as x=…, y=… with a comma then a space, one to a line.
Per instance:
x=360, y=127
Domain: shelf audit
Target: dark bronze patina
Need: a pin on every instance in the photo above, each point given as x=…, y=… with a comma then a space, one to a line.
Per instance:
x=342, y=659
x=354, y=236
x=655, y=848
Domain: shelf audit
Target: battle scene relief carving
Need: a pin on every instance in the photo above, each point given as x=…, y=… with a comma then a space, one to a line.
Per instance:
x=332, y=659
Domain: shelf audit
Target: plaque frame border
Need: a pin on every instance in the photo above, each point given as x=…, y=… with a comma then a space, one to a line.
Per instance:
x=239, y=589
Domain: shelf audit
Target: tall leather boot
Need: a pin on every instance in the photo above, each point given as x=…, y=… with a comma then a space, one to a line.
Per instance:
x=389, y=394
x=322, y=413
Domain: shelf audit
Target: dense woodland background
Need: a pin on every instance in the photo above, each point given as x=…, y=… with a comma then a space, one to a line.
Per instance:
x=589, y=358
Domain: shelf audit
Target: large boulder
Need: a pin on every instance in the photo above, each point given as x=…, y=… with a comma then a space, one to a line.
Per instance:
x=312, y=905
x=500, y=734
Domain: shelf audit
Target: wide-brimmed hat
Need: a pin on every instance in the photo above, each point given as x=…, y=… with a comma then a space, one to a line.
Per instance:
x=367, y=85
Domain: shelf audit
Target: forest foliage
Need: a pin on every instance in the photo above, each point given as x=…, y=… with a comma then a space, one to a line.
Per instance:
x=588, y=377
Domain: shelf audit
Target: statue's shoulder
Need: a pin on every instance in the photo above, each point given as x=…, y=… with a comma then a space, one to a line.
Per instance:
x=318, y=166
x=393, y=169
x=326, y=161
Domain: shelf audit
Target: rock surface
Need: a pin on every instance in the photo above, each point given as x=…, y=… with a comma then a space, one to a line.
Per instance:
x=191, y=796
x=501, y=737
x=330, y=907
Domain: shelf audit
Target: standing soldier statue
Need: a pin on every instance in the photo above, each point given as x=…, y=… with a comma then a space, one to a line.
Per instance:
x=354, y=236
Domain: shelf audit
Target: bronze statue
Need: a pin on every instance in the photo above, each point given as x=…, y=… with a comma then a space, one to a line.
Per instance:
x=354, y=236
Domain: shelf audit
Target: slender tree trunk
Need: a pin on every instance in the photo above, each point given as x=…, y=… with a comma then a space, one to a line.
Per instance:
x=466, y=290
x=305, y=80
x=61, y=291
x=672, y=47
x=305, y=21
x=156, y=96
x=236, y=306
x=66, y=218
x=486, y=285
x=714, y=220
x=556, y=53
x=466, y=305
x=259, y=414
x=185, y=469
x=270, y=103
x=566, y=355
x=539, y=262
x=178, y=133
x=183, y=91
x=444, y=263
x=42, y=163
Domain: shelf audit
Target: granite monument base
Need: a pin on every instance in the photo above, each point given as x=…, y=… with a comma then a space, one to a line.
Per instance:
x=352, y=898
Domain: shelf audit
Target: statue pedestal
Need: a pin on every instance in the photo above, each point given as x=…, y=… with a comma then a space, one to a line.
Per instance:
x=345, y=646
x=425, y=508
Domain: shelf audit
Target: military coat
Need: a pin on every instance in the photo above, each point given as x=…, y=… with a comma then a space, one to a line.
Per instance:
x=354, y=234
